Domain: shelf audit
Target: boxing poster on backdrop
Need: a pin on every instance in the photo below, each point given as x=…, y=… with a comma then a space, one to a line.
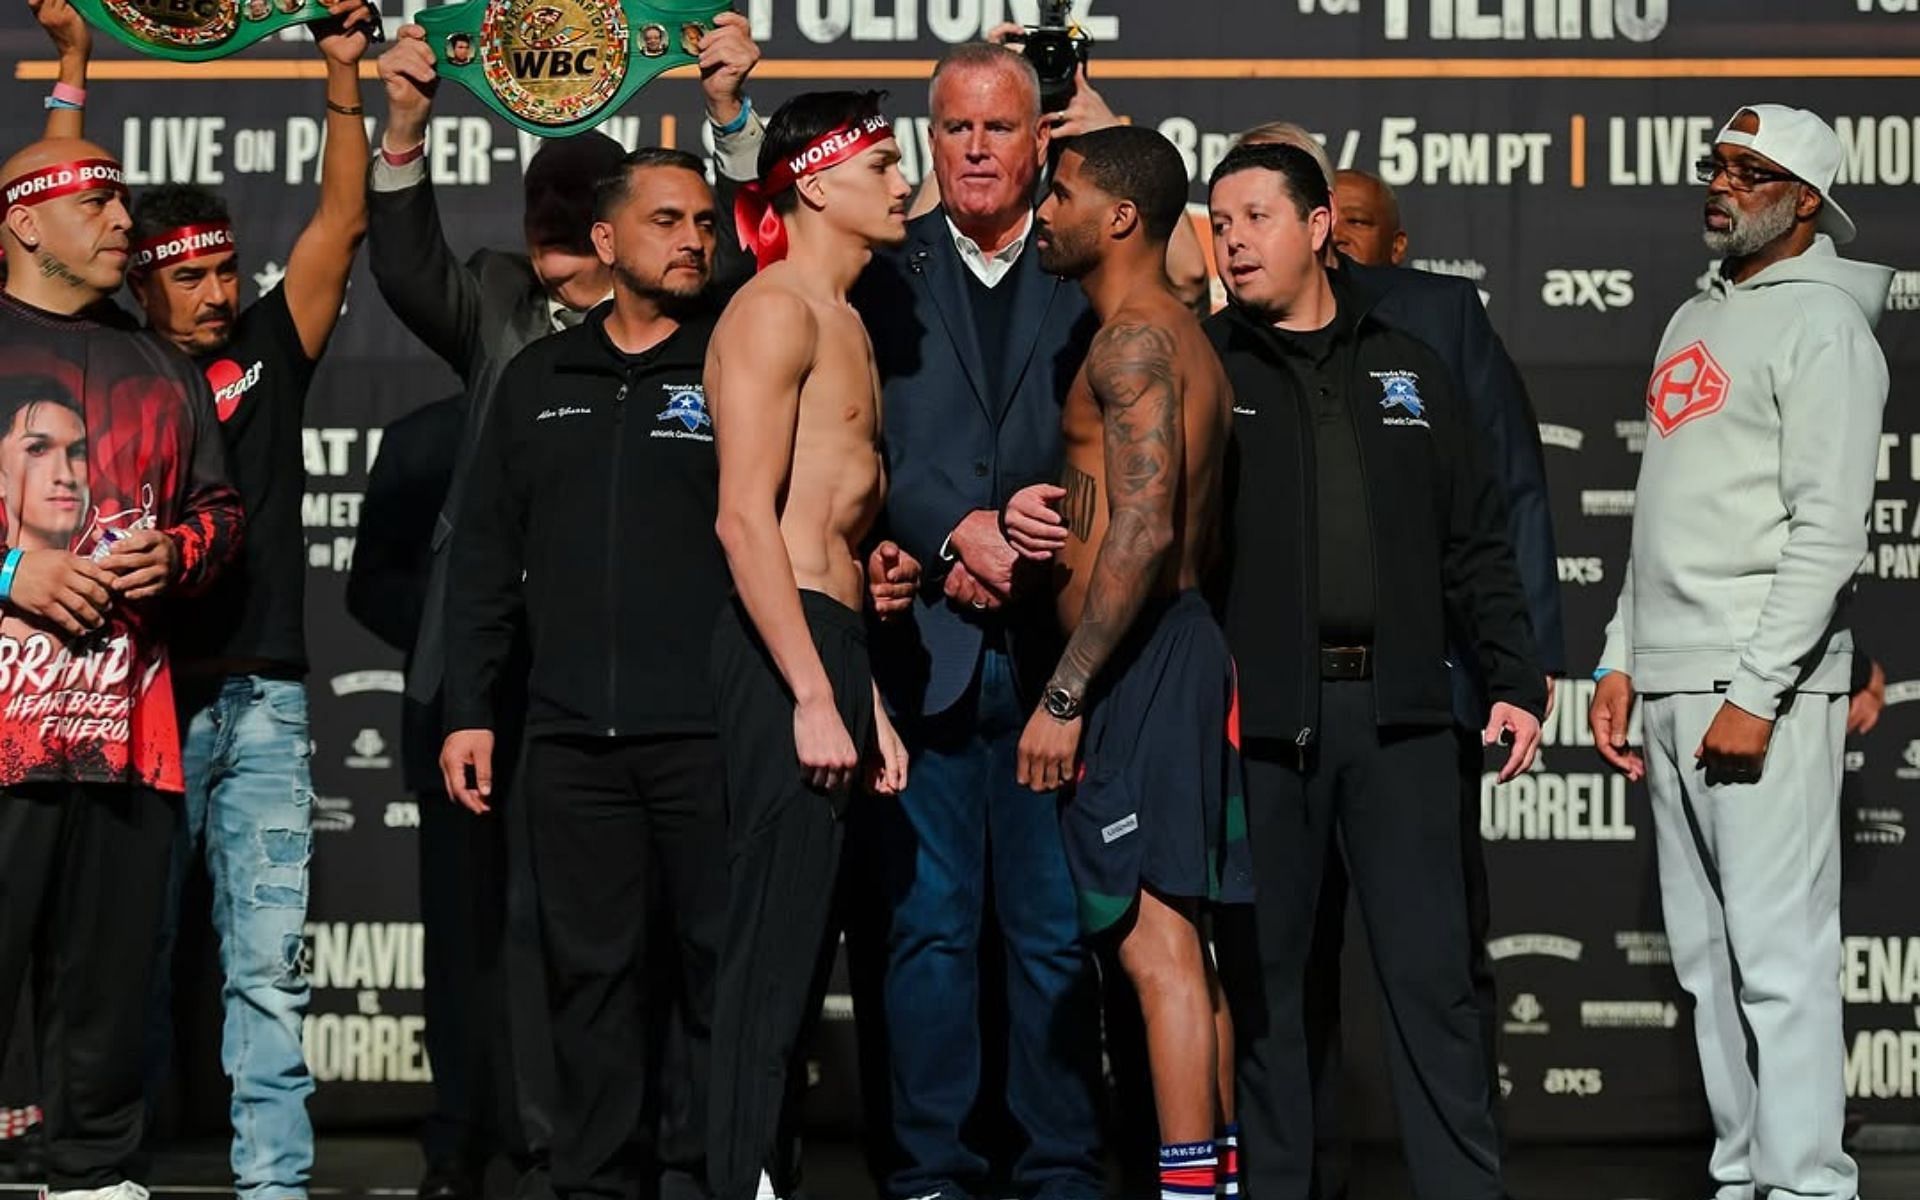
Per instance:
x=1542, y=149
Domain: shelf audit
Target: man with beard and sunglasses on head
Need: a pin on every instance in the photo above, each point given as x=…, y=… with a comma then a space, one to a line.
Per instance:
x=589, y=519
x=90, y=763
x=1764, y=414
x=797, y=418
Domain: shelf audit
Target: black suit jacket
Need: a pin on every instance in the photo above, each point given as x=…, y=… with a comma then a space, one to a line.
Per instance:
x=1446, y=313
x=958, y=440
x=387, y=588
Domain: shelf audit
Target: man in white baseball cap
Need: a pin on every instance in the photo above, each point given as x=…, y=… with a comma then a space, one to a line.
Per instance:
x=1763, y=421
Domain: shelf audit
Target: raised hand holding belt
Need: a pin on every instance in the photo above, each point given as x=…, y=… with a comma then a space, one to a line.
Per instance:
x=202, y=30
x=555, y=67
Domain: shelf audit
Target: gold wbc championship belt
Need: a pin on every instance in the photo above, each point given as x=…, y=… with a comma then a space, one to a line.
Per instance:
x=556, y=67
x=200, y=30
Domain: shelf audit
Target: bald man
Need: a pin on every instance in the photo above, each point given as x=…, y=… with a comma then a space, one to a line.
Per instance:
x=90, y=769
x=1368, y=231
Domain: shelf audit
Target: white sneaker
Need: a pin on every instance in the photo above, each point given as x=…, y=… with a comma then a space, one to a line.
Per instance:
x=764, y=1192
x=126, y=1190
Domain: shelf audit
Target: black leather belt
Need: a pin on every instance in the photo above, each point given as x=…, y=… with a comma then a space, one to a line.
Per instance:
x=1346, y=662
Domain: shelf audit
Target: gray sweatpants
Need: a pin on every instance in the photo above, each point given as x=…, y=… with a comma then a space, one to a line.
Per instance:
x=1750, y=888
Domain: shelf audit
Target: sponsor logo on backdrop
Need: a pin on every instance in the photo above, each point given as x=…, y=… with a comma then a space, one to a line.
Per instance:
x=1506, y=1082
x=1562, y=437
x=353, y=683
x=1911, y=758
x=1534, y=945
x=1879, y=827
x=369, y=751
x=1573, y=1081
x=402, y=814
x=1602, y=290
x=1688, y=386
x=1629, y=1014
x=1903, y=691
x=1526, y=1015
x=1855, y=761
x=1582, y=571
x=332, y=814
x=1880, y=970
x=1633, y=434
x=1904, y=295
x=1615, y=503
x=828, y=21
x=1465, y=268
x=1643, y=947
x=1541, y=806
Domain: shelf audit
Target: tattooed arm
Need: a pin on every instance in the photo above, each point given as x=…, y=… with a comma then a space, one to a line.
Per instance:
x=1131, y=369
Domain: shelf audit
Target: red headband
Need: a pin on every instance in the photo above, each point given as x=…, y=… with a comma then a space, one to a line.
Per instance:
x=179, y=245
x=64, y=179
x=760, y=228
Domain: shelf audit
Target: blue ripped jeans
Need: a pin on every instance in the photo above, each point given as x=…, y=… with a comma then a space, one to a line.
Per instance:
x=249, y=806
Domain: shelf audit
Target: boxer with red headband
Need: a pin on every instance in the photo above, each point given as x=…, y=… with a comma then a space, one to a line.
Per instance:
x=794, y=396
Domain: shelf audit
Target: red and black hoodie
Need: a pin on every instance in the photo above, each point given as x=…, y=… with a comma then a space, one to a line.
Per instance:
x=103, y=430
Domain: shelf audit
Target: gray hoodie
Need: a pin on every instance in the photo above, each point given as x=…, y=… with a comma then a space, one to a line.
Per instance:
x=1763, y=436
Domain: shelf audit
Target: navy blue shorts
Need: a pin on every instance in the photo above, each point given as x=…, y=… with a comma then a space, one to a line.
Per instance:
x=1159, y=803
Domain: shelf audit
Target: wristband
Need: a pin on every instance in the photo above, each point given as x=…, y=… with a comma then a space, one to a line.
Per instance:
x=53, y=102
x=405, y=156
x=68, y=94
x=345, y=110
x=739, y=121
x=6, y=573
x=1602, y=673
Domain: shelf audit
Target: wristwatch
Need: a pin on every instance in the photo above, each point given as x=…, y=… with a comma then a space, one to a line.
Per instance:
x=1061, y=704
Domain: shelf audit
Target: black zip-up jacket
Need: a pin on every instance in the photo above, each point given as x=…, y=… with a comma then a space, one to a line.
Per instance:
x=1439, y=532
x=589, y=514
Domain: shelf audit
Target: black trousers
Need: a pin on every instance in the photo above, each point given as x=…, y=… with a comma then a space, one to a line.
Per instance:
x=1390, y=797
x=83, y=873
x=783, y=848
x=619, y=824
x=1333, y=1148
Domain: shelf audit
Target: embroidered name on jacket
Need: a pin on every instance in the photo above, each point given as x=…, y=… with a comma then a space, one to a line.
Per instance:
x=1400, y=402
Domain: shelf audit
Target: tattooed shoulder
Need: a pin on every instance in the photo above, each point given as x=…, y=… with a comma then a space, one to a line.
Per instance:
x=1128, y=359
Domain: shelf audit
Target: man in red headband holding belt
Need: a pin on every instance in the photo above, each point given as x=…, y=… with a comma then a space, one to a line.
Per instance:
x=241, y=650
x=795, y=402
x=114, y=487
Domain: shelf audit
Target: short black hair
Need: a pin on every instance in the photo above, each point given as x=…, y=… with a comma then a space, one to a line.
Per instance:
x=1306, y=184
x=465, y=38
x=21, y=392
x=613, y=190
x=560, y=184
x=806, y=117
x=168, y=206
x=1130, y=163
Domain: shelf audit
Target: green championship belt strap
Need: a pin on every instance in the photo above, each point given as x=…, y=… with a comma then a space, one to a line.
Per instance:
x=199, y=30
x=556, y=67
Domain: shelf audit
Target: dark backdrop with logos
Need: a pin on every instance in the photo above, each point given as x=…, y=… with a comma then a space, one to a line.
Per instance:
x=1540, y=147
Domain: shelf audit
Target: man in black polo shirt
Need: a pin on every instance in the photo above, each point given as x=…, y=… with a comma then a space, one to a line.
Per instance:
x=1360, y=522
x=589, y=515
x=239, y=652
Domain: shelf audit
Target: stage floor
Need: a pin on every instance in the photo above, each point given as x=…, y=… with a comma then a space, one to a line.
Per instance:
x=386, y=1167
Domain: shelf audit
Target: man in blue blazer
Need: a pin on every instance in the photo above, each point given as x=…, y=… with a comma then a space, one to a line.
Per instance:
x=976, y=345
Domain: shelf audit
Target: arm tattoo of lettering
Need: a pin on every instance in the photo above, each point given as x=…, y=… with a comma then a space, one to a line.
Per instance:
x=1131, y=368
x=1083, y=492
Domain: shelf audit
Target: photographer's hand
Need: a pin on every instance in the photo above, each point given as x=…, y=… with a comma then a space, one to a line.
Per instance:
x=1086, y=112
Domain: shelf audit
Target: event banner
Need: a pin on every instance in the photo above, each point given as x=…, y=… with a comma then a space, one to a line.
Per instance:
x=1541, y=148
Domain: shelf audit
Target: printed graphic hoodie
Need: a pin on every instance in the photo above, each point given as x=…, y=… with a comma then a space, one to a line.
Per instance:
x=1763, y=436
x=103, y=431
